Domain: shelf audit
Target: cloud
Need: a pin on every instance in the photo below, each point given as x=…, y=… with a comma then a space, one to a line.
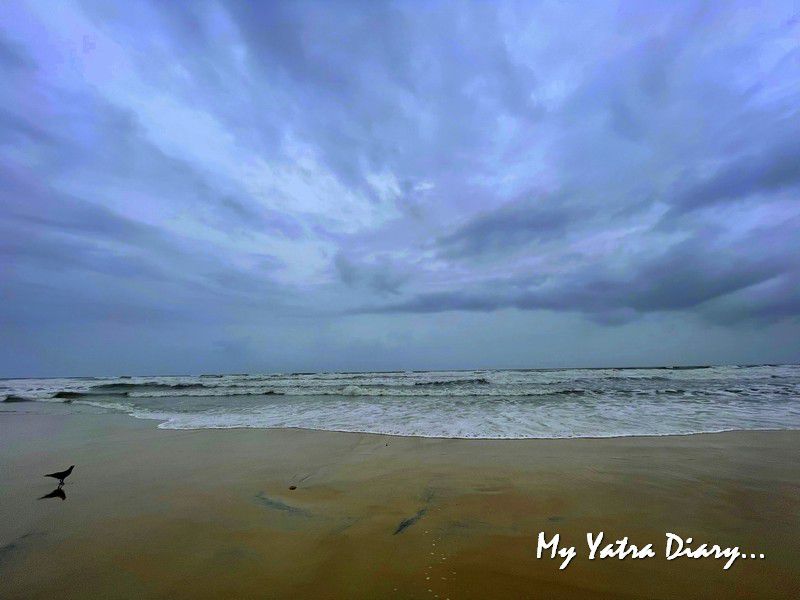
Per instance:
x=289, y=169
x=13, y=56
x=511, y=227
x=380, y=276
x=765, y=170
x=750, y=282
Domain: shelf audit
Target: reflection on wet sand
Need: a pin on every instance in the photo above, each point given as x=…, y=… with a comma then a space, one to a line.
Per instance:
x=56, y=493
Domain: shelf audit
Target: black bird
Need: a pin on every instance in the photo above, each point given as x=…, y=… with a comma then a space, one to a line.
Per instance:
x=61, y=475
x=56, y=493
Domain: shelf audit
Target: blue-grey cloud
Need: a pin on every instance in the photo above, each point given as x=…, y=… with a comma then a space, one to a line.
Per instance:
x=763, y=171
x=512, y=226
x=381, y=277
x=274, y=178
x=689, y=275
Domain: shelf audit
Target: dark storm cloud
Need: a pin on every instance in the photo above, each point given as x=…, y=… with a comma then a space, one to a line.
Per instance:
x=235, y=164
x=763, y=171
x=512, y=226
x=13, y=56
x=689, y=275
x=35, y=205
x=74, y=235
x=14, y=129
x=381, y=277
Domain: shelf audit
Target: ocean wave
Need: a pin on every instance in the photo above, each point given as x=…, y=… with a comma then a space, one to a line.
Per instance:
x=637, y=378
x=67, y=395
x=177, y=424
x=433, y=391
x=14, y=398
x=477, y=380
x=118, y=406
x=198, y=393
x=510, y=404
x=71, y=394
x=349, y=390
x=149, y=384
x=122, y=386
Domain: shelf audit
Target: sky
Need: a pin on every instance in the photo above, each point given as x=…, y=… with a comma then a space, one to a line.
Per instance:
x=190, y=187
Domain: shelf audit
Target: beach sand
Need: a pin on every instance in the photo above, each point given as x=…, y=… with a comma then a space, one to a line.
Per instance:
x=153, y=513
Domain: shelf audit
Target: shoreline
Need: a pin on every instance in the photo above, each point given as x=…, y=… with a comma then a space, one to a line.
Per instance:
x=475, y=439
x=104, y=410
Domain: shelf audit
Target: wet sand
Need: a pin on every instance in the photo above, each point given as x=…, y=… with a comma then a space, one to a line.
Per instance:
x=153, y=513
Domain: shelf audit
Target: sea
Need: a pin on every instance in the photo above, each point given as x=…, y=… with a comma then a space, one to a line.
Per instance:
x=486, y=404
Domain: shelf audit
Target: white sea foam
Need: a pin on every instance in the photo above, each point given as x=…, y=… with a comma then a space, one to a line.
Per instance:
x=475, y=404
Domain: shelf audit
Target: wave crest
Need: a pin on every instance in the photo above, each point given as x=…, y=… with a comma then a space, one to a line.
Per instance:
x=477, y=380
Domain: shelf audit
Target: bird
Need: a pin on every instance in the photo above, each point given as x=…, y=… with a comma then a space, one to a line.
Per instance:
x=61, y=475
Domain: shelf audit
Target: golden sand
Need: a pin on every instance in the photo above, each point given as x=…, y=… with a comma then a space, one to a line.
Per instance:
x=153, y=513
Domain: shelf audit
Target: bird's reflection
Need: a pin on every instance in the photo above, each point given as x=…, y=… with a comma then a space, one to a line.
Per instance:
x=56, y=493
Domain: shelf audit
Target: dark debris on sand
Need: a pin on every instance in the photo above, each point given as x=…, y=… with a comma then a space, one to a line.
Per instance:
x=279, y=505
x=406, y=523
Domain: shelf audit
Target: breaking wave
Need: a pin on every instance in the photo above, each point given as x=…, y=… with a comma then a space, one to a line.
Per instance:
x=471, y=404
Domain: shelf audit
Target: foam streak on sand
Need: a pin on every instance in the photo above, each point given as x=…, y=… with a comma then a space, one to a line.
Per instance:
x=455, y=404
